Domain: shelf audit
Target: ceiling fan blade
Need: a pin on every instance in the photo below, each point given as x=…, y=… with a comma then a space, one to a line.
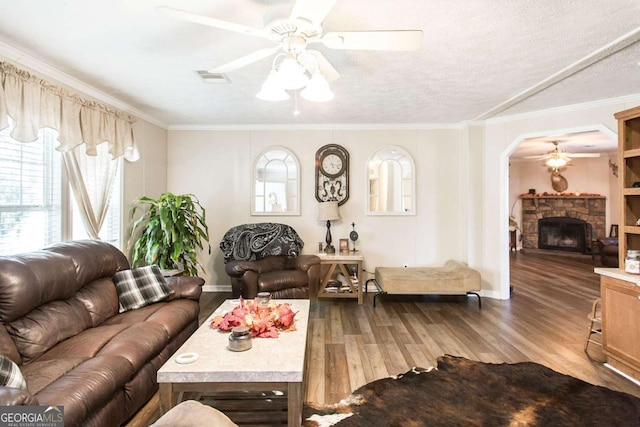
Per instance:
x=211, y=22
x=245, y=60
x=312, y=10
x=582, y=154
x=326, y=69
x=374, y=40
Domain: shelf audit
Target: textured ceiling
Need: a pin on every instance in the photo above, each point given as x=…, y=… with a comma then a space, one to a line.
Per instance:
x=479, y=58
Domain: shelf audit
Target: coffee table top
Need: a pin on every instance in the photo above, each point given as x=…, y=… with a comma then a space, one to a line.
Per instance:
x=268, y=360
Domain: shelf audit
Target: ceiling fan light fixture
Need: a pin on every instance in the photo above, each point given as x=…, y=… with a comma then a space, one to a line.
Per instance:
x=291, y=74
x=317, y=89
x=272, y=90
x=556, y=162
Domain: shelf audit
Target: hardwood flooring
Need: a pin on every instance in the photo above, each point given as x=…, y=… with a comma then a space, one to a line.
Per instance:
x=545, y=322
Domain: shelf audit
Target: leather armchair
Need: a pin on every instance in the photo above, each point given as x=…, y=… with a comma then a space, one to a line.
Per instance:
x=608, y=250
x=265, y=257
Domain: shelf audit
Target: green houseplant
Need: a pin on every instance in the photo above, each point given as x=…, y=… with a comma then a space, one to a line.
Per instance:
x=169, y=232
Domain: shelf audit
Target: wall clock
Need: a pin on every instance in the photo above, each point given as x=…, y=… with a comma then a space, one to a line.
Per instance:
x=332, y=174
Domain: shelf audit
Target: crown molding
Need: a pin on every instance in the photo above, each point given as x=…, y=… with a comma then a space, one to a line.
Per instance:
x=630, y=100
x=333, y=127
x=22, y=59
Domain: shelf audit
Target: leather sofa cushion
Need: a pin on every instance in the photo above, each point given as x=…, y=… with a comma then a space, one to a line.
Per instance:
x=48, y=325
x=8, y=347
x=175, y=317
x=91, y=259
x=282, y=279
x=138, y=343
x=84, y=345
x=87, y=388
x=27, y=281
x=40, y=374
x=100, y=300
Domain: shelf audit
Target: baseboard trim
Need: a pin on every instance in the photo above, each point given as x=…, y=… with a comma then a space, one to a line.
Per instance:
x=216, y=288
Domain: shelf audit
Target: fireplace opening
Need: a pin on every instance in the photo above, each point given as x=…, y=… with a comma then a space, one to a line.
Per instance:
x=564, y=234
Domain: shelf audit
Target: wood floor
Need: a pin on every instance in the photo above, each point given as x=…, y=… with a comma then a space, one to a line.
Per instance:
x=545, y=321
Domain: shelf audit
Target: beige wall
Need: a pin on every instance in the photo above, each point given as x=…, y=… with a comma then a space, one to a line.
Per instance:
x=216, y=167
x=147, y=176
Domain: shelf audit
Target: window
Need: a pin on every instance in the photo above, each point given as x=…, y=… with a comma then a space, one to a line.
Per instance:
x=32, y=214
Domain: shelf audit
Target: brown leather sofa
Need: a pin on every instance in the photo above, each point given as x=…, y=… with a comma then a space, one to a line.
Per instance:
x=265, y=257
x=60, y=324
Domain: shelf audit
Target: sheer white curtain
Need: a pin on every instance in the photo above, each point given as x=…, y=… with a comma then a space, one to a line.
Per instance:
x=91, y=179
x=92, y=136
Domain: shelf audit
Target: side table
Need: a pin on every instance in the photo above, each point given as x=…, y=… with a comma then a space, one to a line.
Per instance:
x=341, y=262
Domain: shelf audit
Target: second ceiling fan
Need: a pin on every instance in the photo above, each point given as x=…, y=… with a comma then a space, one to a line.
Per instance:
x=556, y=158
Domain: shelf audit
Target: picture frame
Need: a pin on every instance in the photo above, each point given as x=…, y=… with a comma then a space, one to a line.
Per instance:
x=344, y=246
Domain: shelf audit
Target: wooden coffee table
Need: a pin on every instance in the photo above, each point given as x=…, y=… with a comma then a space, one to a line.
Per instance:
x=271, y=364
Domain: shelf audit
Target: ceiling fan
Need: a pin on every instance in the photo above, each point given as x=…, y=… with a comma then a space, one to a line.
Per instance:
x=556, y=158
x=292, y=29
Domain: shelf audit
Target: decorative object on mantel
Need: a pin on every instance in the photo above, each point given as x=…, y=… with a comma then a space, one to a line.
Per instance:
x=558, y=182
x=545, y=194
x=263, y=320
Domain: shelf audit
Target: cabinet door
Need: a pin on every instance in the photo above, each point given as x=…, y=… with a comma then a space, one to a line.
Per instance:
x=621, y=320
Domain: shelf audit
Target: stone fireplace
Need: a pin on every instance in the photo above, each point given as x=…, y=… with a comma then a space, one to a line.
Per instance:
x=569, y=223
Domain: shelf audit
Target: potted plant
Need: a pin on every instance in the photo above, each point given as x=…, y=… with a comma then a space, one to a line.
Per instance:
x=170, y=231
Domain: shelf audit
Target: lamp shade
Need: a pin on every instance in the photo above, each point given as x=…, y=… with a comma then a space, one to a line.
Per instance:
x=317, y=89
x=272, y=90
x=328, y=211
x=291, y=74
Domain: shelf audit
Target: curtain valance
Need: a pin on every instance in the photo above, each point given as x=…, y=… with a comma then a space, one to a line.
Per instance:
x=34, y=103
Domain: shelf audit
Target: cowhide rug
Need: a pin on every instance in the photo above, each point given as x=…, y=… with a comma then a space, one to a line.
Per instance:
x=461, y=392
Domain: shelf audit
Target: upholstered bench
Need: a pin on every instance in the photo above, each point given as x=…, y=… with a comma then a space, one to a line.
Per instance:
x=454, y=278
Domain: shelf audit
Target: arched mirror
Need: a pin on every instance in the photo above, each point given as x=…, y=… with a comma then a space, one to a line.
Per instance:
x=276, y=183
x=391, y=182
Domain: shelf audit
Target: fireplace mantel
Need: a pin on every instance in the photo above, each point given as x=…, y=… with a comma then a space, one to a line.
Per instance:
x=551, y=196
x=587, y=207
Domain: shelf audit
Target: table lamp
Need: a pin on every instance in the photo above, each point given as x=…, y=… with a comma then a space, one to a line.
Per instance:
x=328, y=211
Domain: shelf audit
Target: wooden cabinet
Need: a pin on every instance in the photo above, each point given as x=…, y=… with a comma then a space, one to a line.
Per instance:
x=620, y=320
x=629, y=162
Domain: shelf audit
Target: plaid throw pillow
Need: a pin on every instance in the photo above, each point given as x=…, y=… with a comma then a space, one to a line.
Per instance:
x=10, y=375
x=140, y=287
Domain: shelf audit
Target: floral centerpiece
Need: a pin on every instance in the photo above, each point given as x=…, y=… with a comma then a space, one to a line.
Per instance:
x=263, y=320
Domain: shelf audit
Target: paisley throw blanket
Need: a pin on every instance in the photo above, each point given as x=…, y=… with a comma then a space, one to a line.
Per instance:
x=251, y=242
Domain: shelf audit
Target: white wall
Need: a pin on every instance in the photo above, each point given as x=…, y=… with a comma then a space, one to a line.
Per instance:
x=215, y=165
